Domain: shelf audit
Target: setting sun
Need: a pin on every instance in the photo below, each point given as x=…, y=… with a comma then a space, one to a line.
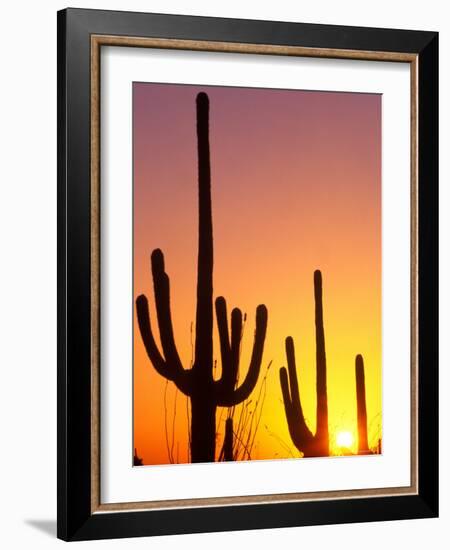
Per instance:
x=344, y=439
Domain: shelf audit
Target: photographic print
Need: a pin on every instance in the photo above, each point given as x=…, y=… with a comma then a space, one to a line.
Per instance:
x=247, y=274
x=257, y=274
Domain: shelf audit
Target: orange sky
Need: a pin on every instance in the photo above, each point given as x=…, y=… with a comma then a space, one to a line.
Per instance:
x=296, y=186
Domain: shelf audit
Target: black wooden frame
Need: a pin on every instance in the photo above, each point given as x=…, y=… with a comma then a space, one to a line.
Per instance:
x=75, y=520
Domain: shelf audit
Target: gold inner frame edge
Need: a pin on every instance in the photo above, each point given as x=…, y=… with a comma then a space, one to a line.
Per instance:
x=97, y=41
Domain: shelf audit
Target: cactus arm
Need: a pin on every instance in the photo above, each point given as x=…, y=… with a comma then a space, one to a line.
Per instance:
x=298, y=429
x=226, y=398
x=204, y=312
x=236, y=336
x=166, y=369
x=284, y=383
x=222, y=326
x=288, y=407
x=162, y=301
x=229, y=350
x=293, y=381
x=145, y=329
x=170, y=366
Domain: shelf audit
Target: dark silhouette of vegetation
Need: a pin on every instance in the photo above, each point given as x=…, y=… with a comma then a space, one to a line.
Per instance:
x=137, y=461
x=302, y=437
x=378, y=449
x=242, y=423
x=198, y=383
x=363, y=444
x=228, y=441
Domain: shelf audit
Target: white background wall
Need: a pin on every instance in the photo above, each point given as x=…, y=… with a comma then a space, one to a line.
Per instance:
x=28, y=270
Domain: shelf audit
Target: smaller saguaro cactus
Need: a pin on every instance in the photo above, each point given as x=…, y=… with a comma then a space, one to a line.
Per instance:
x=306, y=442
x=363, y=444
x=228, y=441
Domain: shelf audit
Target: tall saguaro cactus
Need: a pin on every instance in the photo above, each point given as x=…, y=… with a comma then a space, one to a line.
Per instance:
x=205, y=393
x=363, y=444
x=302, y=437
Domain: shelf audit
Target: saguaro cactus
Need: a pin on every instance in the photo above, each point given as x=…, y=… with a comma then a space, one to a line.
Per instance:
x=302, y=437
x=363, y=444
x=205, y=393
x=228, y=440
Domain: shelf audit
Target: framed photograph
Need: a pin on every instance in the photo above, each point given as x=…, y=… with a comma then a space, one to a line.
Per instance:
x=247, y=255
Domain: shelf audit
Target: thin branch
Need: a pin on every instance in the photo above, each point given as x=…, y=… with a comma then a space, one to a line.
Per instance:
x=282, y=443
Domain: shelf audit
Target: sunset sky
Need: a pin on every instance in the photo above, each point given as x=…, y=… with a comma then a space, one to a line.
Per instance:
x=296, y=186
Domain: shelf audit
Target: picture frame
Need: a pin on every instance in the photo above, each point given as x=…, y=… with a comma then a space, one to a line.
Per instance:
x=81, y=36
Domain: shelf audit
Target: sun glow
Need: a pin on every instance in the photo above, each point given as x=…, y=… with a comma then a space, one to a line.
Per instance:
x=344, y=439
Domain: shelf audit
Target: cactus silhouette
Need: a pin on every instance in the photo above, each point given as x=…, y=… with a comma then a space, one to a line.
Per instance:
x=301, y=435
x=198, y=383
x=228, y=440
x=137, y=461
x=363, y=444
